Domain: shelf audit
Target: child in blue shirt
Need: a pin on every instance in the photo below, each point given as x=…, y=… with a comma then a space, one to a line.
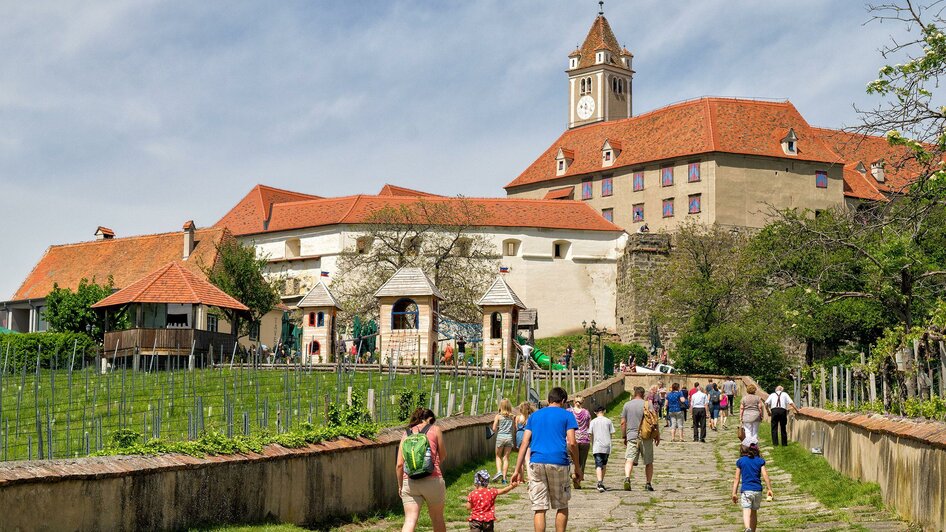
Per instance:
x=750, y=470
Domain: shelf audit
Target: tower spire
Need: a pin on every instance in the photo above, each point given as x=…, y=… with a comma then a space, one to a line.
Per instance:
x=601, y=7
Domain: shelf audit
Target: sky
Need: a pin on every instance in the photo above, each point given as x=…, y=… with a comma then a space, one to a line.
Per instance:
x=141, y=115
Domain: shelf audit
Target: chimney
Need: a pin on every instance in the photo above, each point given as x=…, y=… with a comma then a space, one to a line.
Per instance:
x=188, y=238
x=877, y=170
x=104, y=233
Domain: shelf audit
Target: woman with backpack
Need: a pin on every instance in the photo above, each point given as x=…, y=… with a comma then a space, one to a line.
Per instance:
x=418, y=470
x=504, y=427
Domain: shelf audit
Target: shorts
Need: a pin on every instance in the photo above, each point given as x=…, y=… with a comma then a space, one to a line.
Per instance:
x=431, y=490
x=503, y=441
x=550, y=486
x=483, y=526
x=751, y=500
x=714, y=410
x=676, y=420
x=601, y=459
x=640, y=451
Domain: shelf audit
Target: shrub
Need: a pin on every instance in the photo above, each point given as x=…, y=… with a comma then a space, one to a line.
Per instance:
x=623, y=352
x=732, y=350
x=408, y=401
x=54, y=349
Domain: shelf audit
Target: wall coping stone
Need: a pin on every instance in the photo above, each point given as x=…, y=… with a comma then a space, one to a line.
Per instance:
x=924, y=431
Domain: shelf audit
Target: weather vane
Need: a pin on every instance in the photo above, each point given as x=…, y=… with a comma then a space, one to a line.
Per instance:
x=601, y=7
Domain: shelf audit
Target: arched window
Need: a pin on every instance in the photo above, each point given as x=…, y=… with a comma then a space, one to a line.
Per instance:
x=320, y=320
x=314, y=347
x=293, y=248
x=496, y=325
x=589, y=84
x=582, y=91
x=404, y=314
x=312, y=319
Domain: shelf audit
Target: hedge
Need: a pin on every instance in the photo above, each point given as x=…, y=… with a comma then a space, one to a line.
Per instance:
x=55, y=350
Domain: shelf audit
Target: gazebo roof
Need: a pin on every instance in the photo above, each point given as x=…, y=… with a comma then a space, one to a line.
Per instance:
x=409, y=281
x=172, y=283
x=500, y=294
x=319, y=296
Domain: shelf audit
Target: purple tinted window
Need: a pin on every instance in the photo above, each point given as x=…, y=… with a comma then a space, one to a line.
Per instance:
x=666, y=176
x=668, y=208
x=586, y=192
x=693, y=172
x=608, y=214
x=821, y=179
x=638, y=181
x=639, y=213
x=694, y=204
x=607, y=186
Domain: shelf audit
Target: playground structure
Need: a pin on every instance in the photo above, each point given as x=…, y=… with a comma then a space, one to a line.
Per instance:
x=318, y=308
x=501, y=308
x=409, y=305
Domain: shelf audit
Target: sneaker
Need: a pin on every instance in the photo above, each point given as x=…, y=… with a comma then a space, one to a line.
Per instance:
x=648, y=487
x=497, y=476
x=601, y=488
x=627, y=484
x=504, y=481
x=576, y=484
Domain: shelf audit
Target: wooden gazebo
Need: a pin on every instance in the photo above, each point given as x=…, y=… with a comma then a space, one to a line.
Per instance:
x=169, y=316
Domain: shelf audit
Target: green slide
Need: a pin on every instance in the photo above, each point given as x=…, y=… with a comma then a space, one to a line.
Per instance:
x=539, y=357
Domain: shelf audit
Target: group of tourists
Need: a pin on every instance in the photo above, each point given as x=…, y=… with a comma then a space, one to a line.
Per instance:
x=554, y=443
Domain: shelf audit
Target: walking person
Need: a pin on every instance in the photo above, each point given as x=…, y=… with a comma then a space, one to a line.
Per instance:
x=724, y=410
x=699, y=409
x=777, y=405
x=729, y=390
x=420, y=478
x=481, y=502
x=525, y=409
x=601, y=430
x=503, y=426
x=750, y=415
x=640, y=447
x=749, y=468
x=581, y=435
x=676, y=405
x=550, y=436
x=714, y=403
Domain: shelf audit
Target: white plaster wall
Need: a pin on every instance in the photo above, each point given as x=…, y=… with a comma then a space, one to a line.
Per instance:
x=580, y=287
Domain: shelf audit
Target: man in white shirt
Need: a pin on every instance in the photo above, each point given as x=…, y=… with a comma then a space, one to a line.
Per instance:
x=778, y=404
x=699, y=409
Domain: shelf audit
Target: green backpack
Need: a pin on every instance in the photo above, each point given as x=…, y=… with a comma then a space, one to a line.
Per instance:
x=418, y=461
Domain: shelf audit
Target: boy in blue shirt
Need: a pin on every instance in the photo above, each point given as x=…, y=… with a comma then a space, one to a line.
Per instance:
x=550, y=437
x=750, y=469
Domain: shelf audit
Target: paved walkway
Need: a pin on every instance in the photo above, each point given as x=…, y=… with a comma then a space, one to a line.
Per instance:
x=692, y=482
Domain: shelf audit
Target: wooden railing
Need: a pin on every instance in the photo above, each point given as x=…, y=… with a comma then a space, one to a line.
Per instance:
x=166, y=341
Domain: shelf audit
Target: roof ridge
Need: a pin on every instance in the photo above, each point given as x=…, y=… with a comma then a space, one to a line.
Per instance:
x=155, y=275
x=351, y=207
x=187, y=281
x=260, y=185
x=133, y=237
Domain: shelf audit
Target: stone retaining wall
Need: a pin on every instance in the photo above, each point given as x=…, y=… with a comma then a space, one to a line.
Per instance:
x=906, y=458
x=306, y=486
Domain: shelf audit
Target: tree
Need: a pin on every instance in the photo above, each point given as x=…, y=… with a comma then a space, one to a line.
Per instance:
x=68, y=311
x=704, y=283
x=437, y=236
x=238, y=271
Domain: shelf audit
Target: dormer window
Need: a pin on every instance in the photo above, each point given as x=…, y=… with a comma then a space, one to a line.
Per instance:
x=563, y=160
x=599, y=58
x=790, y=143
x=609, y=152
x=861, y=169
x=877, y=170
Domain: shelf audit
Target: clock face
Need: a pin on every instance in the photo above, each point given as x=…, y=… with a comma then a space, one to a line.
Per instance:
x=585, y=107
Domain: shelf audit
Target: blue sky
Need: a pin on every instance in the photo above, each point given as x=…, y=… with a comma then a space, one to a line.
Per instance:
x=139, y=116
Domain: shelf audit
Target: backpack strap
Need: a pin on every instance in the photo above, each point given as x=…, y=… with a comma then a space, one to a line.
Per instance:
x=425, y=429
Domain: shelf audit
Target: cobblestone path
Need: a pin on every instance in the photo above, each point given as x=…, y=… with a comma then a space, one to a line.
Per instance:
x=692, y=484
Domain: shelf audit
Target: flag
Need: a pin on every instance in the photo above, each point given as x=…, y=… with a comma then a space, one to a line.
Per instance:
x=324, y=273
x=503, y=269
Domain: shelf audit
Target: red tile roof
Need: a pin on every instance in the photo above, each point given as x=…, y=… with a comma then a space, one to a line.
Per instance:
x=600, y=37
x=496, y=212
x=124, y=259
x=705, y=125
x=392, y=190
x=561, y=193
x=172, y=283
x=252, y=212
x=900, y=168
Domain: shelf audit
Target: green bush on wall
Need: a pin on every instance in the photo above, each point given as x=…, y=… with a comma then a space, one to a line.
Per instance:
x=53, y=348
x=623, y=353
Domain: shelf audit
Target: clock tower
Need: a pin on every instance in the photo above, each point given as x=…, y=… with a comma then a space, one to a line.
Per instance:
x=599, y=77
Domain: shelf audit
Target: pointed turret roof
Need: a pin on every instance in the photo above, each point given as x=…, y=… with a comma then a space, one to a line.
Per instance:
x=319, y=296
x=500, y=293
x=409, y=281
x=600, y=37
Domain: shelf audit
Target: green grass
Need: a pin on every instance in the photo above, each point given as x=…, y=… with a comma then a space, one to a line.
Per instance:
x=812, y=474
x=89, y=407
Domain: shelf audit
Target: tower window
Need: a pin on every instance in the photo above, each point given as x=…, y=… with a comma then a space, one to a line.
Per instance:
x=585, y=86
x=668, y=208
x=312, y=319
x=320, y=319
x=496, y=325
x=404, y=314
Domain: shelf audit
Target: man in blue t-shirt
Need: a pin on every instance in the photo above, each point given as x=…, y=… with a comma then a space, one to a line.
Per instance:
x=550, y=436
